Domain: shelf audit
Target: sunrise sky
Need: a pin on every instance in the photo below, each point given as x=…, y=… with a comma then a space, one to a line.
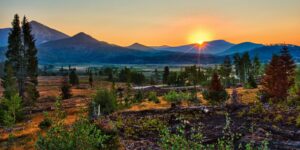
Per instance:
x=165, y=22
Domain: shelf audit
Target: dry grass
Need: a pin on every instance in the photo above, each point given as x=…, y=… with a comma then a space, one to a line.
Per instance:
x=49, y=88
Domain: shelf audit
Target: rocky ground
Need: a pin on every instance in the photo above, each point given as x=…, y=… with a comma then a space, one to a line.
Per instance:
x=140, y=130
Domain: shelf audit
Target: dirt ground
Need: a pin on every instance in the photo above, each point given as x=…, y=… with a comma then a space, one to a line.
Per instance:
x=49, y=88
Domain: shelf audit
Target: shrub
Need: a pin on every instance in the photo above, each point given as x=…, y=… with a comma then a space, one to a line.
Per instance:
x=107, y=101
x=46, y=123
x=176, y=97
x=139, y=96
x=81, y=135
x=298, y=121
x=152, y=97
x=257, y=109
x=278, y=118
x=13, y=110
x=215, y=97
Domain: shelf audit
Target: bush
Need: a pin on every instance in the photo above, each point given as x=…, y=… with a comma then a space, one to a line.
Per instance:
x=176, y=97
x=81, y=135
x=152, y=97
x=46, y=123
x=13, y=110
x=139, y=96
x=257, y=109
x=278, y=118
x=215, y=97
x=107, y=101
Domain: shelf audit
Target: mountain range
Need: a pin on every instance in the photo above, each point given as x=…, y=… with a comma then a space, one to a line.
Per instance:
x=56, y=47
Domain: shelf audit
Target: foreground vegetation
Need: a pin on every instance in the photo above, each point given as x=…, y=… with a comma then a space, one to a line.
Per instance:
x=200, y=113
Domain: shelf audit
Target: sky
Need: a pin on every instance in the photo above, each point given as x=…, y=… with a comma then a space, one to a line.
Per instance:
x=165, y=22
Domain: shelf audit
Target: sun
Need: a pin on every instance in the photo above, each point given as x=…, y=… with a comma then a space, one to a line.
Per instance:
x=199, y=41
x=200, y=36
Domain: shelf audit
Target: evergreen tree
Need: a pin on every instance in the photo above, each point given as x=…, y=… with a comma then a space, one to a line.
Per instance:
x=73, y=78
x=225, y=70
x=166, y=75
x=246, y=62
x=125, y=75
x=215, y=93
x=256, y=65
x=156, y=76
x=201, y=75
x=91, y=80
x=15, y=54
x=65, y=88
x=9, y=82
x=251, y=83
x=13, y=111
x=32, y=62
x=238, y=65
x=289, y=64
x=275, y=83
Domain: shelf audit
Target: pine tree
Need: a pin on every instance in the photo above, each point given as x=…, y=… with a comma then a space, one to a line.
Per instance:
x=65, y=88
x=15, y=54
x=275, y=83
x=13, y=111
x=73, y=78
x=238, y=65
x=289, y=64
x=256, y=65
x=246, y=62
x=166, y=75
x=156, y=76
x=251, y=83
x=91, y=80
x=225, y=70
x=215, y=93
x=32, y=62
x=9, y=82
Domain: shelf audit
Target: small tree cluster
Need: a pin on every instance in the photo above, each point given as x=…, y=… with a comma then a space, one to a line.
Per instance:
x=247, y=70
x=20, y=72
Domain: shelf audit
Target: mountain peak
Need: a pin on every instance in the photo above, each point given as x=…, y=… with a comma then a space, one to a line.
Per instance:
x=138, y=46
x=83, y=37
x=35, y=22
x=82, y=34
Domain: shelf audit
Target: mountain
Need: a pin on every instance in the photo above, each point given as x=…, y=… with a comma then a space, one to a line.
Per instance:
x=241, y=48
x=138, y=46
x=265, y=53
x=81, y=48
x=41, y=33
x=212, y=47
x=44, y=34
x=3, y=36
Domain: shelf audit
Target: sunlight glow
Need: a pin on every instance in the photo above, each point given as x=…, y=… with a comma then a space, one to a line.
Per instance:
x=200, y=36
